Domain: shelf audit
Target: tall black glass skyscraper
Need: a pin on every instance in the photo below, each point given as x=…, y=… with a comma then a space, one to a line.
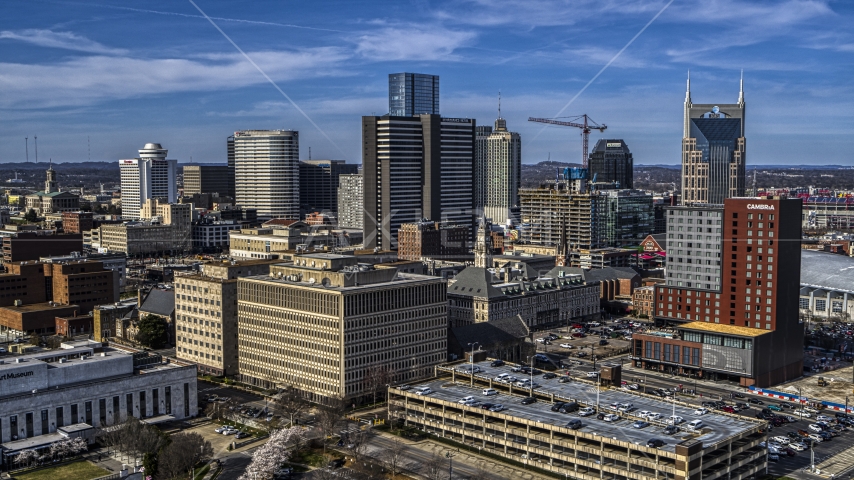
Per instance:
x=412, y=94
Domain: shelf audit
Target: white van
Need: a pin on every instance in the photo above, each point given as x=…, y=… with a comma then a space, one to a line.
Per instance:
x=423, y=391
x=695, y=425
x=490, y=391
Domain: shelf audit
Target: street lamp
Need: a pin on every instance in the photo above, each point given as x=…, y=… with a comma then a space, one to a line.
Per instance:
x=450, y=456
x=471, y=362
x=531, y=369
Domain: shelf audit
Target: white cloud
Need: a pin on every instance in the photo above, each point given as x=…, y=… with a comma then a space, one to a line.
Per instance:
x=541, y=13
x=64, y=40
x=87, y=80
x=412, y=43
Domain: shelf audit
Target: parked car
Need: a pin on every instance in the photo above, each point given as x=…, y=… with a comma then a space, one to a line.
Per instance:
x=675, y=420
x=574, y=424
x=655, y=443
x=586, y=411
x=498, y=408
x=815, y=428
x=592, y=374
x=640, y=424
x=557, y=405
x=466, y=399
x=671, y=429
x=486, y=405
x=775, y=408
x=497, y=363
x=564, y=379
x=611, y=417
x=802, y=413
x=528, y=400
x=241, y=435
x=756, y=401
x=603, y=342
x=701, y=411
x=549, y=375
x=490, y=391
x=566, y=345
x=653, y=416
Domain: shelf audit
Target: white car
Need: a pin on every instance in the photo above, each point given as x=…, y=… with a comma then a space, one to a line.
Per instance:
x=502, y=377
x=592, y=374
x=798, y=447
x=541, y=340
x=611, y=417
x=675, y=420
x=653, y=416
x=624, y=407
x=3, y=350
x=781, y=440
x=466, y=399
x=802, y=413
x=489, y=391
x=643, y=413
x=701, y=411
x=815, y=428
x=424, y=391
x=586, y=411
x=823, y=418
x=565, y=345
x=815, y=438
x=614, y=406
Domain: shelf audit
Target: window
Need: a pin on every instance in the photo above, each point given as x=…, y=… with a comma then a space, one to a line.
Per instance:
x=820, y=305
x=695, y=356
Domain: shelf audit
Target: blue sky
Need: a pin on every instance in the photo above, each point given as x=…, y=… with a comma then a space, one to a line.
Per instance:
x=126, y=73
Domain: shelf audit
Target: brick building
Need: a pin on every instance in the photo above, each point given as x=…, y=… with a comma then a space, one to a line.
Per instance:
x=431, y=239
x=731, y=293
x=35, y=318
x=33, y=245
x=643, y=301
x=74, y=325
x=77, y=222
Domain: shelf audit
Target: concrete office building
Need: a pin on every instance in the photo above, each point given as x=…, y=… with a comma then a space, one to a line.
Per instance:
x=206, y=315
x=413, y=94
x=147, y=177
x=611, y=163
x=713, y=150
x=212, y=235
x=351, y=201
x=47, y=391
x=415, y=167
x=730, y=302
x=322, y=324
x=725, y=447
x=208, y=179
x=502, y=174
x=319, y=181
x=167, y=228
x=266, y=171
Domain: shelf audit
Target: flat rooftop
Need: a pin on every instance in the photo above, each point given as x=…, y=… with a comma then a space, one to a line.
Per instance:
x=727, y=329
x=38, y=307
x=720, y=427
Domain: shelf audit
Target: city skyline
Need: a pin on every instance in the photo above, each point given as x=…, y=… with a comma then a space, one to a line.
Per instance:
x=335, y=66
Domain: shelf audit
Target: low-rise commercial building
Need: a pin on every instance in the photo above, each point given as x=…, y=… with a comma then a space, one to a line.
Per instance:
x=325, y=324
x=74, y=325
x=213, y=235
x=46, y=391
x=77, y=222
x=23, y=246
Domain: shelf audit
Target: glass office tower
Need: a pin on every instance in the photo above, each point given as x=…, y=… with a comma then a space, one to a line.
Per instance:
x=412, y=94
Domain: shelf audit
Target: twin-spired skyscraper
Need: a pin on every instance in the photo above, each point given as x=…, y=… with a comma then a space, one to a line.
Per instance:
x=713, y=150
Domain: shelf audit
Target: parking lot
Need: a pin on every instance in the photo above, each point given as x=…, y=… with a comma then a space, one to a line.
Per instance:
x=718, y=426
x=594, y=338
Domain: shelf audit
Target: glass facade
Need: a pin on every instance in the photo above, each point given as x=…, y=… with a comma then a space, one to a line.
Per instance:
x=625, y=217
x=412, y=94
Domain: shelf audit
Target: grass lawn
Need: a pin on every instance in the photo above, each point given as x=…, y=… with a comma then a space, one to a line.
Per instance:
x=82, y=470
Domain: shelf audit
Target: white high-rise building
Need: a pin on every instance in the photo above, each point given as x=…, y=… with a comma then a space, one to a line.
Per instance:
x=351, y=201
x=266, y=171
x=503, y=172
x=147, y=177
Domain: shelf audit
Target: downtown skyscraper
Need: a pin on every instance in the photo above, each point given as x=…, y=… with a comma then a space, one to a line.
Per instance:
x=414, y=168
x=500, y=175
x=412, y=94
x=266, y=171
x=147, y=177
x=713, y=150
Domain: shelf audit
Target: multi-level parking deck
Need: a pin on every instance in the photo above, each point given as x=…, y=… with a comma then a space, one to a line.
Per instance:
x=727, y=447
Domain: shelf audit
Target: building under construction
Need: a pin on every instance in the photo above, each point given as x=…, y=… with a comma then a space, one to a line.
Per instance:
x=565, y=213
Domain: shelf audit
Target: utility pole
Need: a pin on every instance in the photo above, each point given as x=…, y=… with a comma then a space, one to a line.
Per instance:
x=471, y=362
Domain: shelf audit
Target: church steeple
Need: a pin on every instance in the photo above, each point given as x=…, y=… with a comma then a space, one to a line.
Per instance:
x=483, y=245
x=50, y=183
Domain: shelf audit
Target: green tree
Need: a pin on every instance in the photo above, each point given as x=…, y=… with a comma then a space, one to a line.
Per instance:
x=32, y=216
x=152, y=331
x=149, y=462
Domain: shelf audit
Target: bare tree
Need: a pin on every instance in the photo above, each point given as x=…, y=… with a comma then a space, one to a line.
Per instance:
x=328, y=417
x=434, y=468
x=394, y=456
x=185, y=451
x=292, y=403
x=358, y=442
x=377, y=378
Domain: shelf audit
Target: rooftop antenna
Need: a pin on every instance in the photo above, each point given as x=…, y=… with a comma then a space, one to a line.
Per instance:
x=309, y=153
x=26, y=149
x=754, y=182
x=89, y=147
x=499, y=104
x=36, y=141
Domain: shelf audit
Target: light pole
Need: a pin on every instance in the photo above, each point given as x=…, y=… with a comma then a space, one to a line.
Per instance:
x=450, y=456
x=471, y=362
x=531, y=369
